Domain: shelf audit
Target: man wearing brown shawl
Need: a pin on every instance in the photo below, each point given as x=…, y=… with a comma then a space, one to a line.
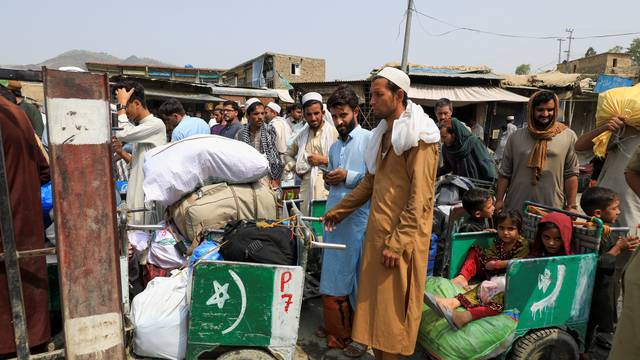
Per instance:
x=539, y=162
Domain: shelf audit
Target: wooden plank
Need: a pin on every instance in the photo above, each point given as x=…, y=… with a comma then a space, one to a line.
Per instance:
x=84, y=205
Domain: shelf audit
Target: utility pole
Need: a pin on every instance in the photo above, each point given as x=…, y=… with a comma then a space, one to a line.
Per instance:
x=570, y=31
x=407, y=35
x=560, y=50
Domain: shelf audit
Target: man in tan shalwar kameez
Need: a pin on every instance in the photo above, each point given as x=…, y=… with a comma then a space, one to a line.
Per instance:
x=402, y=160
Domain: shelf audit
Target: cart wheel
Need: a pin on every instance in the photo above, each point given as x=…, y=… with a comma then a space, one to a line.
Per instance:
x=245, y=354
x=551, y=343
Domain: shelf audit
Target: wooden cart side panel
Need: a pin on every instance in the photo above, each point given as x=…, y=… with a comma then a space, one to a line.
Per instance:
x=85, y=217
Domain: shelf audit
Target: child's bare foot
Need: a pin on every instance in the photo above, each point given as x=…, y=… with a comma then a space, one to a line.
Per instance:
x=461, y=318
x=449, y=303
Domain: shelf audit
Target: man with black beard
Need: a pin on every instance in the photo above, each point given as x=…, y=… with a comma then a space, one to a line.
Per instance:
x=340, y=267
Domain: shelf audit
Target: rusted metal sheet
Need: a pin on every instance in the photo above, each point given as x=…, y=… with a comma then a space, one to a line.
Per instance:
x=79, y=140
x=11, y=265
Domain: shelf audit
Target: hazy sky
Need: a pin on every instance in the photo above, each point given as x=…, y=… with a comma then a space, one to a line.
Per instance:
x=353, y=36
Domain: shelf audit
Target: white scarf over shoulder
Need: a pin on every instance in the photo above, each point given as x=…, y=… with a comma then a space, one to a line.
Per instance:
x=412, y=126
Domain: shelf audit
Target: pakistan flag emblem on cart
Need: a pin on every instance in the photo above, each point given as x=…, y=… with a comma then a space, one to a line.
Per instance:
x=241, y=304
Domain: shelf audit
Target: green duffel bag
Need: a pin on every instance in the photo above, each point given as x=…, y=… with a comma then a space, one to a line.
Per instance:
x=481, y=339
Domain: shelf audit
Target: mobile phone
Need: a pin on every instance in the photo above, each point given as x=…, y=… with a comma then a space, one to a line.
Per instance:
x=324, y=169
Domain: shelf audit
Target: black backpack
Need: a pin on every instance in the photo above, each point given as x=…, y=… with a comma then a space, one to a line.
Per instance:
x=246, y=242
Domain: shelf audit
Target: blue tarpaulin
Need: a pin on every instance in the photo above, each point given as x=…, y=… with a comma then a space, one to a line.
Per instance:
x=608, y=82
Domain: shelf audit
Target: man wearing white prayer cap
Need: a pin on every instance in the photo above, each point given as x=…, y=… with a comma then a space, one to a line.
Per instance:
x=283, y=134
x=309, y=151
x=402, y=160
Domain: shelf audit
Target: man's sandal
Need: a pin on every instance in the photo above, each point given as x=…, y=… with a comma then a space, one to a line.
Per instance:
x=354, y=350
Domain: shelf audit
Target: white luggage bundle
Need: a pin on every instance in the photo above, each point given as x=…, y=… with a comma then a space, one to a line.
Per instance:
x=178, y=168
x=160, y=316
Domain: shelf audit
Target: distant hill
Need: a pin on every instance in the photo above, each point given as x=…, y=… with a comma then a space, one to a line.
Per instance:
x=78, y=58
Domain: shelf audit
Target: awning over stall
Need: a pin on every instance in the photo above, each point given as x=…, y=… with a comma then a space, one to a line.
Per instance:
x=283, y=95
x=461, y=95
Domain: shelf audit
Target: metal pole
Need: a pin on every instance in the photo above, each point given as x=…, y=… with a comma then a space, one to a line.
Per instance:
x=570, y=31
x=560, y=50
x=11, y=265
x=407, y=35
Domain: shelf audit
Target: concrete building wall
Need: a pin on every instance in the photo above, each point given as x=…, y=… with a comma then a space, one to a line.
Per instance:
x=309, y=69
x=606, y=63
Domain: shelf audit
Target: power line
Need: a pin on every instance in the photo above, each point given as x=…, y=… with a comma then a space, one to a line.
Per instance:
x=481, y=31
x=506, y=35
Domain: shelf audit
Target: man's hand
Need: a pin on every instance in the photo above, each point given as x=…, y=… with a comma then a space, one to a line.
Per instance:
x=499, y=206
x=317, y=160
x=330, y=221
x=116, y=145
x=336, y=176
x=390, y=258
x=275, y=183
x=616, y=123
x=123, y=96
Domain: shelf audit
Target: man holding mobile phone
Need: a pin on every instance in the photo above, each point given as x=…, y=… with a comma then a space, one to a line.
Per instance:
x=310, y=149
x=346, y=170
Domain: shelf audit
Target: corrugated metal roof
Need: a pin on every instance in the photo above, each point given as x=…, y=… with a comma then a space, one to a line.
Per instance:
x=181, y=95
x=233, y=91
x=460, y=75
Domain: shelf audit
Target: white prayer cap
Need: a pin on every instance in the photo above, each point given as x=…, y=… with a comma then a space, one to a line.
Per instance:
x=275, y=107
x=397, y=77
x=250, y=102
x=511, y=118
x=311, y=96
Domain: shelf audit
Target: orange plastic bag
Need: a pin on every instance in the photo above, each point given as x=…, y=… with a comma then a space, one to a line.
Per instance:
x=622, y=101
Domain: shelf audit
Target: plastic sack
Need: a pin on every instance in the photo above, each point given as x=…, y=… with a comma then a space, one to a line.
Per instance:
x=481, y=339
x=178, y=168
x=205, y=252
x=622, y=101
x=46, y=197
x=161, y=244
x=160, y=316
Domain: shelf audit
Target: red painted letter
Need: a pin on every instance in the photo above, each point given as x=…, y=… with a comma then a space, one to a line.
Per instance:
x=284, y=279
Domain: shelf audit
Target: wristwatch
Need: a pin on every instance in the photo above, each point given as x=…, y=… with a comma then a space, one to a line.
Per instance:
x=121, y=107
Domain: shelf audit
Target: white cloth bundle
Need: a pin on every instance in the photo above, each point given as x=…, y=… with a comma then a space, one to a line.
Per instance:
x=177, y=169
x=412, y=126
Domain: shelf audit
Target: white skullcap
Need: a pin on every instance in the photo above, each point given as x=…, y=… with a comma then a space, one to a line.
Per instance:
x=275, y=107
x=397, y=77
x=250, y=102
x=311, y=96
x=511, y=117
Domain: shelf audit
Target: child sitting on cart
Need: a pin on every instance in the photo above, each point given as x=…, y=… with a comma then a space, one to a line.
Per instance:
x=479, y=206
x=605, y=204
x=484, y=264
x=553, y=236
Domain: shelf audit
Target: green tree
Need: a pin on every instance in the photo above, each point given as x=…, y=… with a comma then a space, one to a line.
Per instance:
x=590, y=52
x=523, y=69
x=634, y=50
x=616, y=49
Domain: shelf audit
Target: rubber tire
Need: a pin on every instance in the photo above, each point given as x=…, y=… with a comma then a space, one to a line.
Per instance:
x=245, y=354
x=543, y=344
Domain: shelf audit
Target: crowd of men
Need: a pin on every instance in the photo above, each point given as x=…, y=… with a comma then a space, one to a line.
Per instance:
x=379, y=186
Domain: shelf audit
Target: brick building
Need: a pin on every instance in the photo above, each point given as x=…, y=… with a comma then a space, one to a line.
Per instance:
x=605, y=63
x=275, y=71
